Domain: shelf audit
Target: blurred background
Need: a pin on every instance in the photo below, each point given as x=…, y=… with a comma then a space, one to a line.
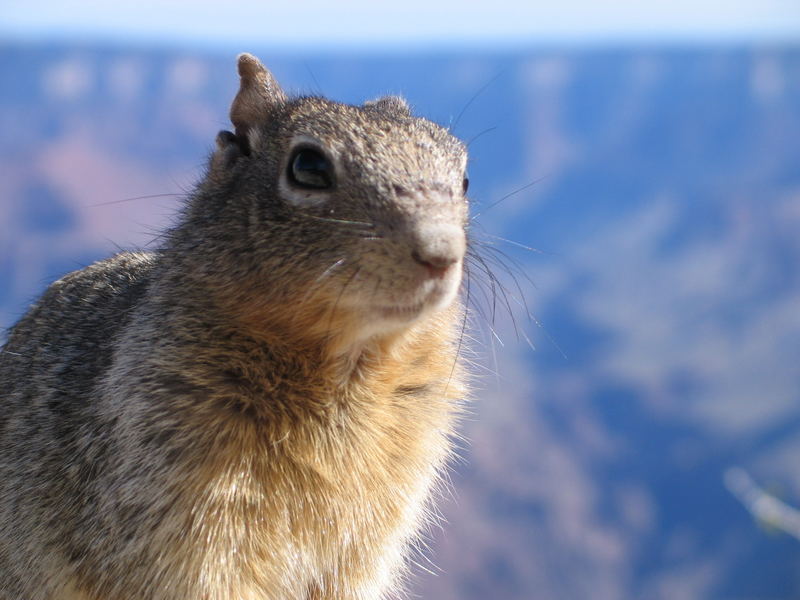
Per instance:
x=635, y=172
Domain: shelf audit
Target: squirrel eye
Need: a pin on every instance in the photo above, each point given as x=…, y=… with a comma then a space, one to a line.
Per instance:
x=310, y=169
x=466, y=184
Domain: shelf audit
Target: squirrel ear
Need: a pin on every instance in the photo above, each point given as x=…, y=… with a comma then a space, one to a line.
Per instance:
x=394, y=104
x=228, y=151
x=258, y=93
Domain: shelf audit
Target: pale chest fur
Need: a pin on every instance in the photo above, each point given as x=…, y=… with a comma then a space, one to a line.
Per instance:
x=324, y=511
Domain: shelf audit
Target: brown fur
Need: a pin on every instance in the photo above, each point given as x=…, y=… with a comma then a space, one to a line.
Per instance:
x=262, y=408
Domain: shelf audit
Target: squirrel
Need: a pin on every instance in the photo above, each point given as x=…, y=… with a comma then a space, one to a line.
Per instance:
x=263, y=407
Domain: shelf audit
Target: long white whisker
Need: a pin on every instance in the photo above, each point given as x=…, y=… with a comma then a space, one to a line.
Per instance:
x=341, y=221
x=314, y=286
x=329, y=269
x=513, y=243
x=496, y=202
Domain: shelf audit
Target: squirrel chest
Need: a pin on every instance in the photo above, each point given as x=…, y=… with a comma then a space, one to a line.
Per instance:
x=324, y=494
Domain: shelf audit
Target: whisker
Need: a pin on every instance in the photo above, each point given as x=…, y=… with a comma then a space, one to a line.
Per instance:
x=134, y=199
x=514, y=263
x=499, y=341
x=479, y=309
x=341, y=221
x=494, y=354
x=493, y=281
x=327, y=271
x=158, y=238
x=460, y=337
x=513, y=243
x=339, y=297
x=503, y=291
x=313, y=78
x=475, y=137
x=550, y=338
x=312, y=289
x=489, y=294
x=507, y=196
x=471, y=100
x=507, y=295
x=483, y=288
x=495, y=260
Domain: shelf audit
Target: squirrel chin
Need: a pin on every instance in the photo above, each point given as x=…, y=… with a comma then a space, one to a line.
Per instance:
x=432, y=295
x=376, y=330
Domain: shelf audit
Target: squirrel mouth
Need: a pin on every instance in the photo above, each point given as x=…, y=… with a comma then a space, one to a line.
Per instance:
x=407, y=301
x=432, y=301
x=401, y=312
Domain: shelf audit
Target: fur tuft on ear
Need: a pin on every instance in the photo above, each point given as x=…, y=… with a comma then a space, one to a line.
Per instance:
x=392, y=104
x=258, y=93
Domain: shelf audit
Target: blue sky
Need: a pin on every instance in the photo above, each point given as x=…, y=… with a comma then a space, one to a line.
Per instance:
x=330, y=23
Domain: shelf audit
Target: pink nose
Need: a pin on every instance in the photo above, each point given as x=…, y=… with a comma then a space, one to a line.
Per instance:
x=438, y=248
x=437, y=265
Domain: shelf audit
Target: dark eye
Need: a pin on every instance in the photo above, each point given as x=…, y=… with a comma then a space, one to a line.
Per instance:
x=310, y=169
x=466, y=184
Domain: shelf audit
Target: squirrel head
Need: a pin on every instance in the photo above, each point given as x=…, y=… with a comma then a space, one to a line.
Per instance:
x=353, y=217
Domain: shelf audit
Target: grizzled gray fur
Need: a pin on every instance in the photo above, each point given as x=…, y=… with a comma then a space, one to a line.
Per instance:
x=262, y=407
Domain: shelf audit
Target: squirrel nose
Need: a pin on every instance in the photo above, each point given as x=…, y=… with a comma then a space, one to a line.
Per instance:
x=439, y=247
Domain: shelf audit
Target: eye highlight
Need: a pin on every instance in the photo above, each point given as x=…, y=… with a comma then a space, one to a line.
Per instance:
x=310, y=169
